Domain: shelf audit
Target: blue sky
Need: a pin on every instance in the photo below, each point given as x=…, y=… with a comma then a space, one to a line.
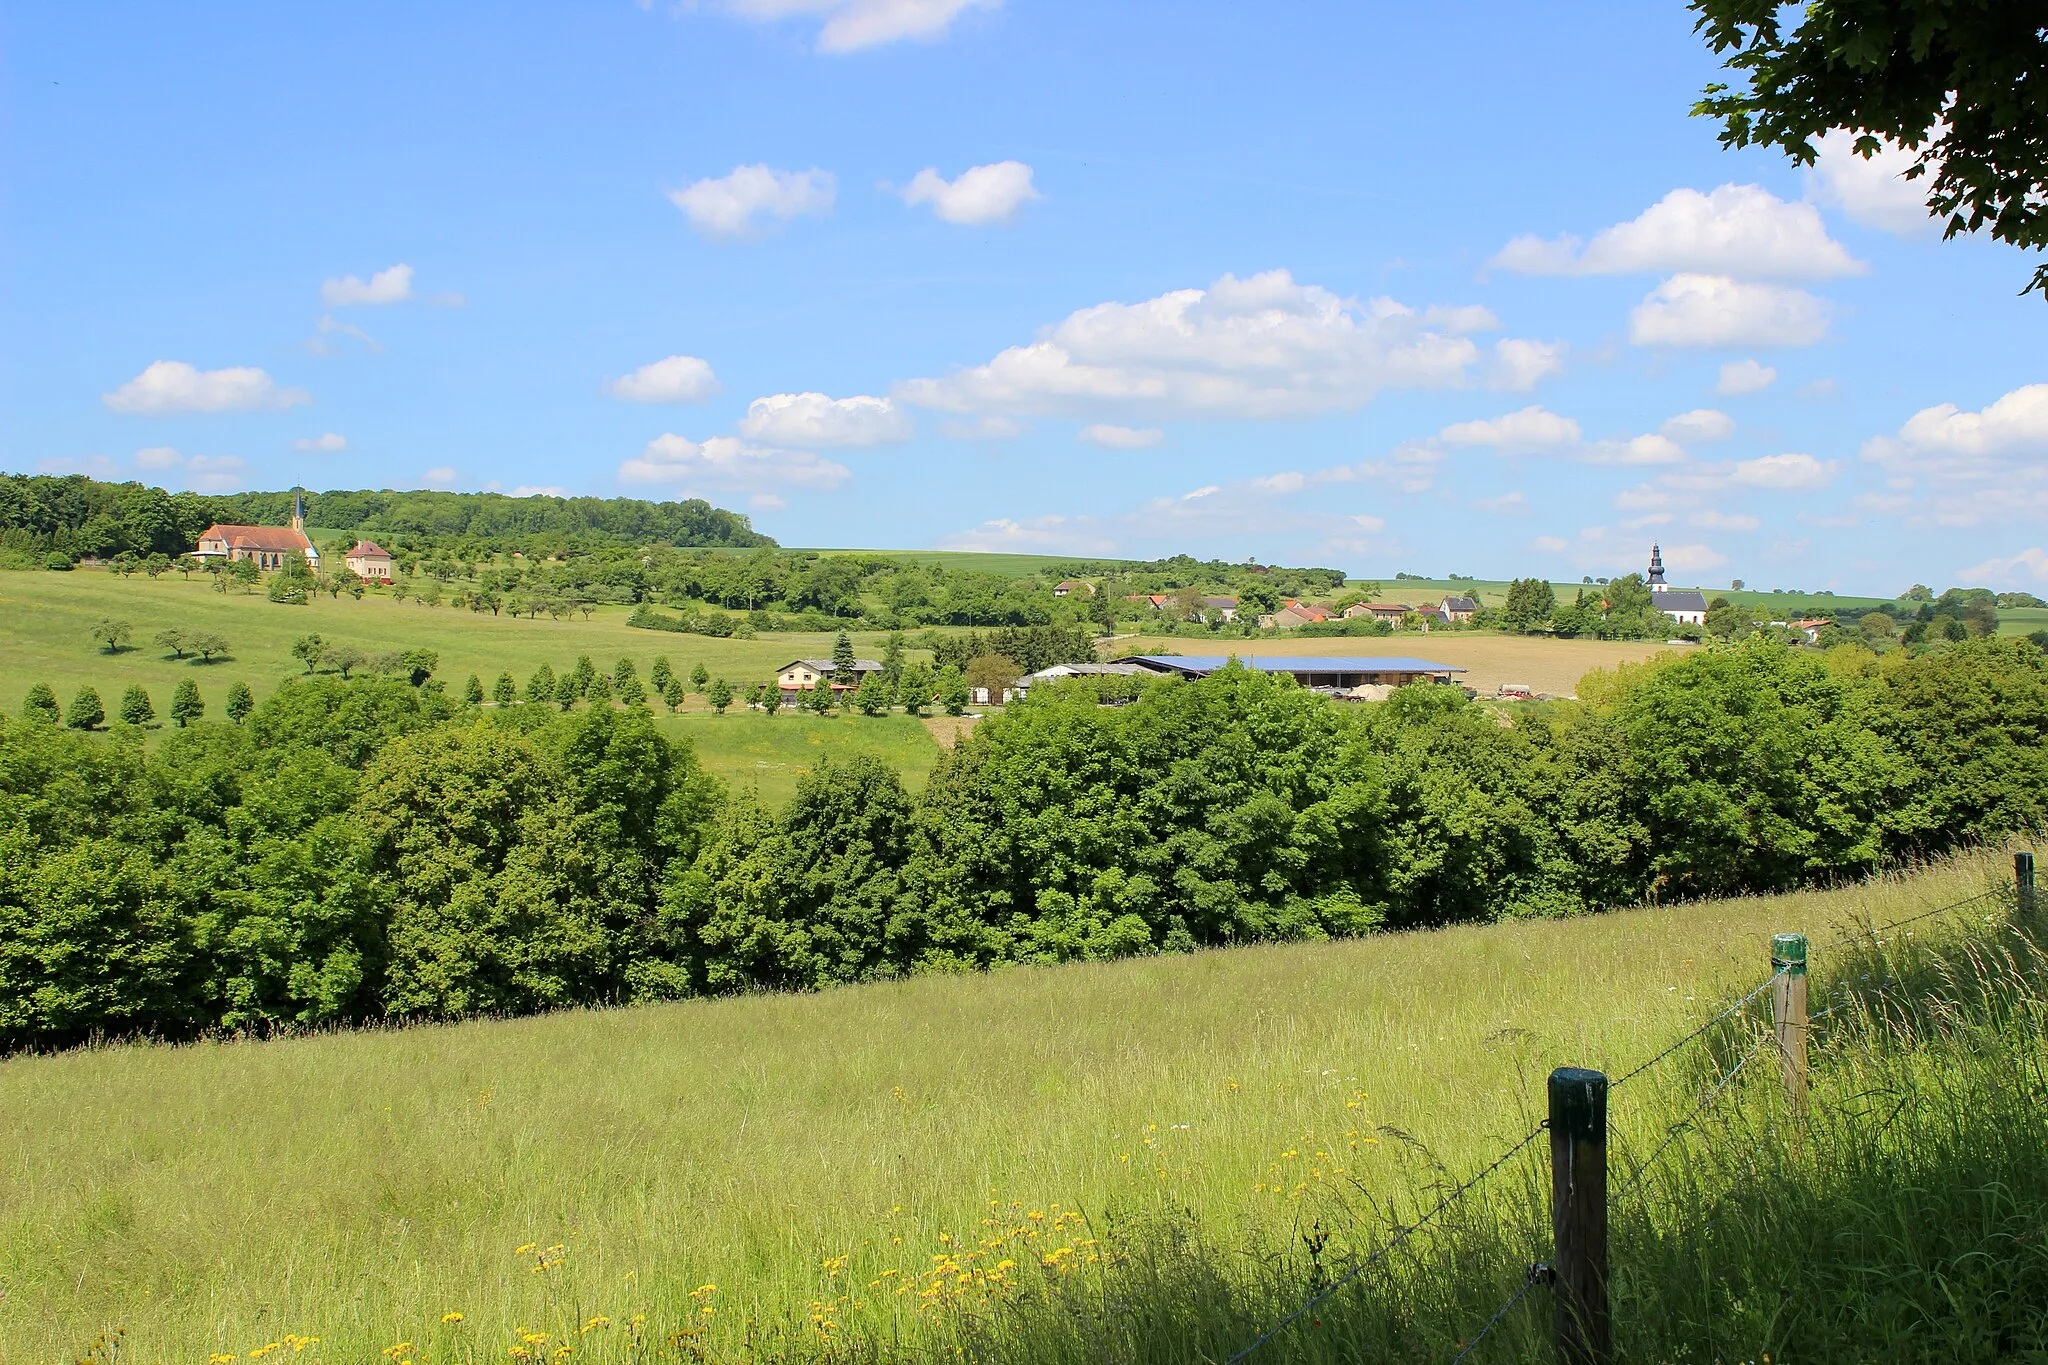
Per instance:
x=1446, y=288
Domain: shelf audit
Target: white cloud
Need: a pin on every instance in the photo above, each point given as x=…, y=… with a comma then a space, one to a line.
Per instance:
x=1531, y=429
x=1741, y=230
x=983, y=429
x=441, y=476
x=675, y=379
x=201, y=473
x=1713, y=310
x=327, y=444
x=1649, y=448
x=733, y=206
x=98, y=466
x=1874, y=189
x=390, y=285
x=1263, y=346
x=814, y=420
x=1699, y=425
x=172, y=386
x=158, y=457
x=768, y=502
x=1788, y=472
x=726, y=462
x=1744, y=376
x=851, y=25
x=1950, y=445
x=2028, y=568
x=331, y=326
x=1518, y=363
x=1512, y=504
x=981, y=194
x=1550, y=544
x=1122, y=438
x=547, y=490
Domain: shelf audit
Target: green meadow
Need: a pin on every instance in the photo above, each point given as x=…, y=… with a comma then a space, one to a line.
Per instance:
x=46, y=620
x=1146, y=1159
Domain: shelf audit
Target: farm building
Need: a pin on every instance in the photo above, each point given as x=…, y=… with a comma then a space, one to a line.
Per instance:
x=1458, y=609
x=1336, y=672
x=1059, y=671
x=1292, y=614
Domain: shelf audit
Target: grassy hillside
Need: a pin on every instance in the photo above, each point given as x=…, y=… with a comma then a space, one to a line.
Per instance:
x=45, y=617
x=793, y=1165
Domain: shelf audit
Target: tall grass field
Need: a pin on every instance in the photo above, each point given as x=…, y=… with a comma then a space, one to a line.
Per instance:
x=1151, y=1159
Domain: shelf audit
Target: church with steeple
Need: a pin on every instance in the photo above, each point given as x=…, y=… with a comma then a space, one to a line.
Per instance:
x=269, y=547
x=1686, y=606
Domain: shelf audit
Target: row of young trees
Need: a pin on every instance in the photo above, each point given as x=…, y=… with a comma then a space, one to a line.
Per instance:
x=363, y=849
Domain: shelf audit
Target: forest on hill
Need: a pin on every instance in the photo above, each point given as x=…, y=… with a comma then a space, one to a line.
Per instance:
x=371, y=848
x=75, y=517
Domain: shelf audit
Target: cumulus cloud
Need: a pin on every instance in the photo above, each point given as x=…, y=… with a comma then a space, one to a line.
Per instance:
x=158, y=457
x=390, y=285
x=1519, y=364
x=981, y=194
x=1989, y=465
x=1037, y=535
x=738, y=205
x=1740, y=230
x=852, y=25
x=1874, y=189
x=1714, y=310
x=814, y=420
x=1699, y=426
x=327, y=443
x=443, y=477
x=1744, y=376
x=200, y=473
x=2028, y=568
x=545, y=490
x=1529, y=430
x=1693, y=558
x=1122, y=438
x=728, y=463
x=1263, y=346
x=674, y=379
x=172, y=386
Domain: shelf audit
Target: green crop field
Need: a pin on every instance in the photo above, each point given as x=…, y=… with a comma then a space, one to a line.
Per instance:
x=45, y=619
x=769, y=1176
x=975, y=561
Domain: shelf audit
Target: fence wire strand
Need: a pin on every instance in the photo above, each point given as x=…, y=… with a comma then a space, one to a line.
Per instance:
x=1732, y=1010
x=1679, y=1128
x=1872, y=931
x=1538, y=1274
x=1387, y=1249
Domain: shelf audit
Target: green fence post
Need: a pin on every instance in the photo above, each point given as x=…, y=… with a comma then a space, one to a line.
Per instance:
x=2023, y=883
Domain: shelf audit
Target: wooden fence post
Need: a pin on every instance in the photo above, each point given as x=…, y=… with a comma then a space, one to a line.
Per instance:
x=1788, y=1008
x=2023, y=883
x=1578, y=1214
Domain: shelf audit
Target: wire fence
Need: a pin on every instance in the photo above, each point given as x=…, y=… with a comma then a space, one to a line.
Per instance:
x=1541, y=1273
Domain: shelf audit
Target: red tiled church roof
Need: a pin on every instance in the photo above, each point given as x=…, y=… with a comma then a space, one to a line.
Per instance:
x=281, y=539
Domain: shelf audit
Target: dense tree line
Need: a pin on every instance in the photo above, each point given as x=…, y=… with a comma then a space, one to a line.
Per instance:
x=368, y=848
x=74, y=516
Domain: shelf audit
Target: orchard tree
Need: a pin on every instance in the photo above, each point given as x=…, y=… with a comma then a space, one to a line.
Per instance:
x=700, y=677
x=771, y=697
x=915, y=692
x=541, y=686
x=719, y=694
x=1956, y=83
x=85, y=711
x=659, y=675
x=186, y=704
x=473, y=691
x=308, y=649
x=504, y=692
x=344, y=659
x=172, y=639
x=953, y=693
x=672, y=693
x=239, y=702
x=207, y=643
x=111, y=634
x=872, y=697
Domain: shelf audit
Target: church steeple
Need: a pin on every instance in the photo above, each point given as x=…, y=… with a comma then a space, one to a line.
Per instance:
x=299, y=511
x=1656, y=579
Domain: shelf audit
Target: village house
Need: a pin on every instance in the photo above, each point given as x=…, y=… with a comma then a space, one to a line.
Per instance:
x=1291, y=615
x=801, y=675
x=1458, y=610
x=1686, y=606
x=267, y=547
x=369, y=560
x=1066, y=587
x=1393, y=613
x=1226, y=605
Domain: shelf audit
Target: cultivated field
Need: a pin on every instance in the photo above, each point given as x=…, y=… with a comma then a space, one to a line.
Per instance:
x=1548, y=665
x=45, y=619
x=795, y=1167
